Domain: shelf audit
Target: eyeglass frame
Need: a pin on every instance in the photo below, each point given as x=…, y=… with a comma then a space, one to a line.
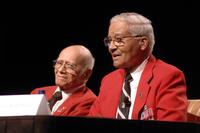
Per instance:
x=107, y=40
x=68, y=66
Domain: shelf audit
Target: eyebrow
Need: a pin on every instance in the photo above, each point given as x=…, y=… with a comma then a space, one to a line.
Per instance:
x=67, y=62
x=119, y=35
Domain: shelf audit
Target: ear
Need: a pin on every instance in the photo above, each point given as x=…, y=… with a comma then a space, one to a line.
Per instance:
x=144, y=43
x=86, y=75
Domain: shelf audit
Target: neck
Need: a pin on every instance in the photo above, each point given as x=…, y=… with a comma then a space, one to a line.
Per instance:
x=132, y=69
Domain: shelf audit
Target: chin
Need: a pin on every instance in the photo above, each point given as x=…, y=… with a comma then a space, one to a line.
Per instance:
x=117, y=65
x=60, y=83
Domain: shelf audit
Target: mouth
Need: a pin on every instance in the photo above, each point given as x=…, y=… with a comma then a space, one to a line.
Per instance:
x=61, y=77
x=115, y=56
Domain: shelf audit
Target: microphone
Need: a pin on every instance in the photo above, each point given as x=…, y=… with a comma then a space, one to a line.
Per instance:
x=127, y=102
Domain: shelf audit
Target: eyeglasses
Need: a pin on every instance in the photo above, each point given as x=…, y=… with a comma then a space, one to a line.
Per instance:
x=68, y=67
x=119, y=41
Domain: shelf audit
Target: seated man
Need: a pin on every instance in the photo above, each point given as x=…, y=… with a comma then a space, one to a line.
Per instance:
x=142, y=87
x=72, y=70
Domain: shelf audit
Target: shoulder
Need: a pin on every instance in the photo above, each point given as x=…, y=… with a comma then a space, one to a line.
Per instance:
x=89, y=93
x=163, y=67
x=164, y=71
x=158, y=65
x=119, y=73
x=160, y=71
x=45, y=88
x=83, y=97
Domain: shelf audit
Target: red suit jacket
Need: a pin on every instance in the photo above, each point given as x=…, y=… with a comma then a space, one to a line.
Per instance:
x=78, y=104
x=161, y=94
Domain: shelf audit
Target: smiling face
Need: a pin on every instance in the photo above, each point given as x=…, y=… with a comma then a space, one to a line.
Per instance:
x=128, y=54
x=70, y=68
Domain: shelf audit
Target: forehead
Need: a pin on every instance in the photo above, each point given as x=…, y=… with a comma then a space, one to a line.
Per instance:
x=68, y=53
x=119, y=27
x=71, y=55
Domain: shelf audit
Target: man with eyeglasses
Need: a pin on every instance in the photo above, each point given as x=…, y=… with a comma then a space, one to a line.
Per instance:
x=154, y=90
x=72, y=70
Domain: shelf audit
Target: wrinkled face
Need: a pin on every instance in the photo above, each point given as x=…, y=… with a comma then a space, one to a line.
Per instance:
x=68, y=69
x=124, y=47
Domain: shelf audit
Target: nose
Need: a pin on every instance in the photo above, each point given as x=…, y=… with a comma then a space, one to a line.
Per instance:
x=112, y=46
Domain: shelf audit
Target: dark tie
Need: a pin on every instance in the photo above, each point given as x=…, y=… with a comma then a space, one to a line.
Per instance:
x=125, y=99
x=56, y=97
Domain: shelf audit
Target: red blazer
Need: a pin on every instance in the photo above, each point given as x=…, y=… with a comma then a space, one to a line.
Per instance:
x=161, y=94
x=78, y=104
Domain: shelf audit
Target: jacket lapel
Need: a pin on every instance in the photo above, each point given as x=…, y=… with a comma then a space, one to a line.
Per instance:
x=111, y=93
x=143, y=87
x=69, y=102
x=116, y=94
x=50, y=91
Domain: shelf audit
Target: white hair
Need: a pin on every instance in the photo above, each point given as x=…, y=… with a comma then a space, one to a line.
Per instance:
x=91, y=60
x=137, y=24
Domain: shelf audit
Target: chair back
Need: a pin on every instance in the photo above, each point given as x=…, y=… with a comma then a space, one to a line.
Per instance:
x=193, y=110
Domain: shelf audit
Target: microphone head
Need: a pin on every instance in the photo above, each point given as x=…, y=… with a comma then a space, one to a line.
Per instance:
x=127, y=102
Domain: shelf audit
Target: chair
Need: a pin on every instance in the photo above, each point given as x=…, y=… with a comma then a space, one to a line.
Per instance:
x=193, y=110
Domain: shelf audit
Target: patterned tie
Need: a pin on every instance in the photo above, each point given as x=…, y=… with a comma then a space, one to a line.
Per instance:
x=56, y=97
x=125, y=99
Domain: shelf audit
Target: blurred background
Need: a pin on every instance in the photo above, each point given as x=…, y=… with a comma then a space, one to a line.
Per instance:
x=33, y=34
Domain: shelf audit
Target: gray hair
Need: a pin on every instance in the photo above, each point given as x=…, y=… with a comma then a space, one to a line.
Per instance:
x=138, y=25
x=91, y=60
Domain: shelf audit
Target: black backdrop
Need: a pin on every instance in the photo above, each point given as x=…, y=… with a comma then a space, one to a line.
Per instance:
x=32, y=35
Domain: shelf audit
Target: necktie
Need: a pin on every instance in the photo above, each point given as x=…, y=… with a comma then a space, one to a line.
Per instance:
x=56, y=97
x=125, y=99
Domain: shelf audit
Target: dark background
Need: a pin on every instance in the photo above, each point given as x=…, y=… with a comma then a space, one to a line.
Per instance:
x=33, y=34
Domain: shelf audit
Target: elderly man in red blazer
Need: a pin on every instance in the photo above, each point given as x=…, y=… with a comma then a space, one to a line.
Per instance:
x=157, y=89
x=72, y=70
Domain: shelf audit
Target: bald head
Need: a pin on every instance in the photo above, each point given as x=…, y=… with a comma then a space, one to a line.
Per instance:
x=80, y=54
